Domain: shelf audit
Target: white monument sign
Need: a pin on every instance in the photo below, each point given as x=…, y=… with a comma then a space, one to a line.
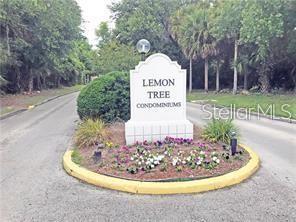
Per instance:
x=158, y=101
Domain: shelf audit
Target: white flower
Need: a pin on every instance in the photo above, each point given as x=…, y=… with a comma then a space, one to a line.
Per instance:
x=160, y=157
x=132, y=158
x=188, y=158
x=184, y=162
x=202, y=152
x=156, y=162
x=166, y=152
x=175, y=160
x=215, y=158
x=217, y=161
x=152, y=166
x=198, y=162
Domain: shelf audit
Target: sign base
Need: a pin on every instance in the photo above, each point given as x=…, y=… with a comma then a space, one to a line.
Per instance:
x=157, y=130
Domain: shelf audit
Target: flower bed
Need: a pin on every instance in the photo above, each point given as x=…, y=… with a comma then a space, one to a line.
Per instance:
x=171, y=159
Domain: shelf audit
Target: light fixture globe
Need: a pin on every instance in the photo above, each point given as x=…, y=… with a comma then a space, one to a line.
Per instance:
x=143, y=46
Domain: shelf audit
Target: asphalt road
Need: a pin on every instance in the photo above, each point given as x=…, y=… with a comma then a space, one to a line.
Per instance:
x=34, y=186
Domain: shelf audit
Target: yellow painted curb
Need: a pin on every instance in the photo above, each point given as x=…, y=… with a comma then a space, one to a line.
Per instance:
x=194, y=186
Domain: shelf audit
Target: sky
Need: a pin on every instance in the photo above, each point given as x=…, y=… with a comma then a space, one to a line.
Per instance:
x=93, y=13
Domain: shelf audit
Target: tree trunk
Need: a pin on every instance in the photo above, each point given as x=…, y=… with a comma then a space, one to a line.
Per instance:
x=39, y=82
x=30, y=83
x=246, y=81
x=18, y=80
x=217, y=78
x=293, y=77
x=58, y=82
x=235, y=68
x=206, y=74
x=190, y=75
x=43, y=82
x=264, y=78
x=7, y=40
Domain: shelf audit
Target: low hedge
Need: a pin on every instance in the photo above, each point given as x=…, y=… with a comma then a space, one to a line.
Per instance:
x=107, y=98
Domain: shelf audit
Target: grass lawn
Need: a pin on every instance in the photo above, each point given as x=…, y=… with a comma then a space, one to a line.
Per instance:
x=10, y=103
x=250, y=101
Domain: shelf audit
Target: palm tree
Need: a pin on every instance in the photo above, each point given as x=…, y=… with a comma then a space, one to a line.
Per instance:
x=204, y=42
x=182, y=34
x=190, y=29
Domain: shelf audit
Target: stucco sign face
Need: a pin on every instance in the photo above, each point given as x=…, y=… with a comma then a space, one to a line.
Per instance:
x=158, y=101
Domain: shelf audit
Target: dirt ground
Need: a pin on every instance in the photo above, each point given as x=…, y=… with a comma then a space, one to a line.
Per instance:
x=14, y=102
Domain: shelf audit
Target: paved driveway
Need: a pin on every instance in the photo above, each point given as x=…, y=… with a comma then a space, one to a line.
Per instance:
x=34, y=186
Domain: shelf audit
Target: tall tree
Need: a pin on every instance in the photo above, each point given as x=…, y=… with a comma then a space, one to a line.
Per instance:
x=262, y=21
x=38, y=37
x=183, y=35
x=139, y=19
x=103, y=33
x=194, y=35
x=227, y=17
x=114, y=56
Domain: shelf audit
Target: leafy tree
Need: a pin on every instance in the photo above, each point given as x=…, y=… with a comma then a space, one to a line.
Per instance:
x=226, y=18
x=135, y=20
x=114, y=56
x=103, y=33
x=37, y=38
x=262, y=21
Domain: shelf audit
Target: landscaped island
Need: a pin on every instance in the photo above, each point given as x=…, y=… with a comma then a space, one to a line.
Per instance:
x=174, y=159
x=158, y=156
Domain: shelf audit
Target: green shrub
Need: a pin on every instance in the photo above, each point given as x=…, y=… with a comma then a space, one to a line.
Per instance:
x=107, y=98
x=89, y=133
x=76, y=157
x=219, y=130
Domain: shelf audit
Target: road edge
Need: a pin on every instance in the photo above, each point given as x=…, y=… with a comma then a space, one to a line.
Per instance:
x=138, y=187
x=5, y=116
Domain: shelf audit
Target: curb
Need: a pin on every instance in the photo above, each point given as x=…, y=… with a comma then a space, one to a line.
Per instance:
x=5, y=116
x=277, y=118
x=138, y=187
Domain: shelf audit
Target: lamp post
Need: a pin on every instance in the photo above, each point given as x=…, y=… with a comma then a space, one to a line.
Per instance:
x=143, y=47
x=233, y=143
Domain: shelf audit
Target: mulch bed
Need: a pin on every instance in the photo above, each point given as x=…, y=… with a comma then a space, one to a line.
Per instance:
x=116, y=161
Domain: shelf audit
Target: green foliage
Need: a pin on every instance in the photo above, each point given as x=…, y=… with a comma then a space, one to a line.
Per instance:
x=261, y=22
x=226, y=18
x=103, y=33
x=114, y=56
x=191, y=29
x=150, y=20
x=76, y=157
x=219, y=130
x=90, y=132
x=41, y=43
x=38, y=40
x=107, y=98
